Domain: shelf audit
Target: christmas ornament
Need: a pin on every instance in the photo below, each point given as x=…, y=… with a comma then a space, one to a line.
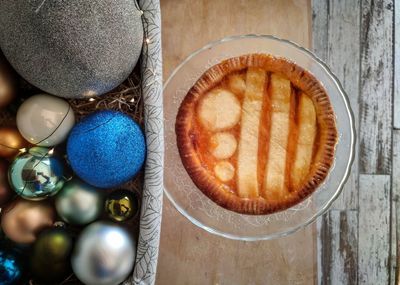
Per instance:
x=104, y=254
x=11, y=267
x=72, y=48
x=50, y=258
x=45, y=120
x=106, y=149
x=121, y=205
x=11, y=142
x=79, y=203
x=5, y=191
x=22, y=220
x=8, y=87
x=36, y=174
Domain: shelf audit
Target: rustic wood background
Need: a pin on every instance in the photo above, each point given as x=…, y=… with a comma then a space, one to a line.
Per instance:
x=357, y=240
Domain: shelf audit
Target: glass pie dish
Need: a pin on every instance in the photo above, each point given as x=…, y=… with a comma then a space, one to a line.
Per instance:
x=202, y=211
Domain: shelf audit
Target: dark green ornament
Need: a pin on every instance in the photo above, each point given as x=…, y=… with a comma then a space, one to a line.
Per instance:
x=50, y=259
x=122, y=205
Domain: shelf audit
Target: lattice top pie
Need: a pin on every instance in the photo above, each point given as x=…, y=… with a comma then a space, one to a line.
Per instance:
x=256, y=133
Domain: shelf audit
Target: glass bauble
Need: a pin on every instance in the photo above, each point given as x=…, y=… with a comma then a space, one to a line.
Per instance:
x=36, y=174
x=121, y=205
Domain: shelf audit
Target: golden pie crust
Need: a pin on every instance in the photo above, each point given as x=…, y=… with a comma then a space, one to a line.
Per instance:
x=257, y=134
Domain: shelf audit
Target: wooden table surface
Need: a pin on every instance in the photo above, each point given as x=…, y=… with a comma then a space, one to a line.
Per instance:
x=357, y=240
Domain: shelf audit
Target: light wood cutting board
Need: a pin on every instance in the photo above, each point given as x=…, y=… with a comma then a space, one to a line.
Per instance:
x=189, y=255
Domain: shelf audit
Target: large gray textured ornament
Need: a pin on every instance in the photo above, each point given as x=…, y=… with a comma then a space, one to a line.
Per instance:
x=72, y=48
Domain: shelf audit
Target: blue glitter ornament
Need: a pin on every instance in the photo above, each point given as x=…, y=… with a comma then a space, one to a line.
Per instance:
x=106, y=149
x=10, y=268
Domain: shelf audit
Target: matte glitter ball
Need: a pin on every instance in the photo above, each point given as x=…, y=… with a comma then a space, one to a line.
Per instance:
x=72, y=48
x=106, y=149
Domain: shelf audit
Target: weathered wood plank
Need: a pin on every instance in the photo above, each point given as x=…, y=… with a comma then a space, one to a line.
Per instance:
x=395, y=211
x=374, y=229
x=397, y=66
x=336, y=30
x=337, y=262
x=320, y=28
x=376, y=86
x=343, y=58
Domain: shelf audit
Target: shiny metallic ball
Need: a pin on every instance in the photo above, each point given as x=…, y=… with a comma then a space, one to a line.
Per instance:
x=8, y=86
x=79, y=203
x=103, y=255
x=11, y=142
x=11, y=267
x=23, y=220
x=122, y=205
x=5, y=190
x=36, y=174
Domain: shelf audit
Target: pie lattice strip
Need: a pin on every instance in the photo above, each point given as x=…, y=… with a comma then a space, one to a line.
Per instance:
x=307, y=127
x=274, y=179
x=247, y=162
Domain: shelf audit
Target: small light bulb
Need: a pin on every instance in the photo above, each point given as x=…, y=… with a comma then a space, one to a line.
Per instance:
x=147, y=40
x=91, y=99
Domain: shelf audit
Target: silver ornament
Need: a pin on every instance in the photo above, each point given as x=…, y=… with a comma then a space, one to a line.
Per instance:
x=79, y=203
x=103, y=255
x=72, y=48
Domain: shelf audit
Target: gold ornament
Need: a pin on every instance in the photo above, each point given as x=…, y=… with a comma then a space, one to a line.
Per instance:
x=7, y=83
x=11, y=142
x=22, y=220
x=121, y=205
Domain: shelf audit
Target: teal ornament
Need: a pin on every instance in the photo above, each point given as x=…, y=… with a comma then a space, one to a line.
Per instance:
x=11, y=267
x=36, y=174
x=79, y=203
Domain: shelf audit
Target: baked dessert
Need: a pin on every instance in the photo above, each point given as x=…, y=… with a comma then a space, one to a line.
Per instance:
x=256, y=133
